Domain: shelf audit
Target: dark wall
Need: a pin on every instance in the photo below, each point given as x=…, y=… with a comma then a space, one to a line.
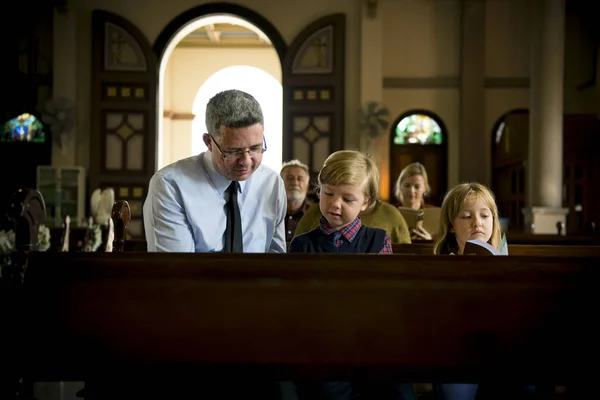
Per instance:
x=26, y=84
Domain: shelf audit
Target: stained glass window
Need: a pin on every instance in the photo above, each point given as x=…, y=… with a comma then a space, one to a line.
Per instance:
x=24, y=128
x=418, y=129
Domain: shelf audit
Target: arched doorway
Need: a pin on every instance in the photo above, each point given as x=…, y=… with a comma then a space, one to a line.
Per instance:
x=313, y=78
x=420, y=136
x=510, y=138
x=510, y=154
x=197, y=64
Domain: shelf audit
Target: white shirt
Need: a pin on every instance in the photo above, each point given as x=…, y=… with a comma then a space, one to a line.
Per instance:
x=185, y=208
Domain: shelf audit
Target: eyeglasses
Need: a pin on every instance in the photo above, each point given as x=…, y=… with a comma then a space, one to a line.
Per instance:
x=237, y=154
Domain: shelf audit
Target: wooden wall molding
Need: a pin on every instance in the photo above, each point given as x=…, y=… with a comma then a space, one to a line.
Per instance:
x=441, y=82
x=178, y=115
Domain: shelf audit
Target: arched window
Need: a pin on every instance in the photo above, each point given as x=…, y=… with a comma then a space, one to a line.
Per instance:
x=24, y=128
x=420, y=136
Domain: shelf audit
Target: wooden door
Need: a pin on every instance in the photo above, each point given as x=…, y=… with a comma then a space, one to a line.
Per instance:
x=313, y=92
x=510, y=147
x=123, y=115
x=581, y=170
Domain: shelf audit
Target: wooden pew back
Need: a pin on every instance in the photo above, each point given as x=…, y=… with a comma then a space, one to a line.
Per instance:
x=514, y=250
x=311, y=315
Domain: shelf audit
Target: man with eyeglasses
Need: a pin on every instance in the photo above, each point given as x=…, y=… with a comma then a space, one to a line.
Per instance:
x=188, y=202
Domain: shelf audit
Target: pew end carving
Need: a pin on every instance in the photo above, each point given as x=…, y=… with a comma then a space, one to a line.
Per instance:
x=66, y=235
x=27, y=212
x=121, y=215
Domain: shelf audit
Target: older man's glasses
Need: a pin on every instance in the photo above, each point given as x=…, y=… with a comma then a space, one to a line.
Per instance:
x=236, y=154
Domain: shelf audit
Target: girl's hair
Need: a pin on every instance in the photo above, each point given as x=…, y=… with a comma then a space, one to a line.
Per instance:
x=349, y=167
x=412, y=169
x=453, y=204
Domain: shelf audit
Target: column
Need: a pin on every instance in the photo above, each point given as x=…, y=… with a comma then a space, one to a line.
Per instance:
x=64, y=82
x=545, y=167
x=474, y=162
x=371, y=84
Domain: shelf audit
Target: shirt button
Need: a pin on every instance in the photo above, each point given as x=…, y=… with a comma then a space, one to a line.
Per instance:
x=289, y=232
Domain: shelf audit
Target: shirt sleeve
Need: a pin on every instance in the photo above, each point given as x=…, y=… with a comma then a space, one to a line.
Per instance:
x=387, y=245
x=278, y=243
x=165, y=222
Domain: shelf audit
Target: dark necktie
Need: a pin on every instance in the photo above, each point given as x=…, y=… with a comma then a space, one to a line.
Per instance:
x=233, y=229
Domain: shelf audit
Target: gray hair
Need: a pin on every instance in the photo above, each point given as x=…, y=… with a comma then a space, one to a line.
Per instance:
x=296, y=164
x=233, y=109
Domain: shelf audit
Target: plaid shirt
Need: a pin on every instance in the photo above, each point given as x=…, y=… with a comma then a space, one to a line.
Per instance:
x=350, y=231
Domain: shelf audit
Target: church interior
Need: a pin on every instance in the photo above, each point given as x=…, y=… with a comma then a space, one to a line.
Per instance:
x=463, y=87
x=103, y=93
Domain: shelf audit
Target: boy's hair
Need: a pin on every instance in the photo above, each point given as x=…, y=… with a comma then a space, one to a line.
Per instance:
x=350, y=167
x=451, y=207
x=412, y=169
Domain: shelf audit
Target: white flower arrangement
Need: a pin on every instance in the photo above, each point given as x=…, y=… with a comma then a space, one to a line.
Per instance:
x=7, y=240
x=43, y=238
x=94, y=239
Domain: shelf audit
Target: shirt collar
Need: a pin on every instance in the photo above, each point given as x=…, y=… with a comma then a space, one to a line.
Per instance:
x=219, y=182
x=349, y=231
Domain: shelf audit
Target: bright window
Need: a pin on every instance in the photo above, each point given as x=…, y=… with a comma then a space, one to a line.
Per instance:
x=24, y=128
x=418, y=129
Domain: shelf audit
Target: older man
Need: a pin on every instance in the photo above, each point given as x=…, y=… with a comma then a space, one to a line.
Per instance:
x=295, y=177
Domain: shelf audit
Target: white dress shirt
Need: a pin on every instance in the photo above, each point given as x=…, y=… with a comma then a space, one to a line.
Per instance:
x=185, y=208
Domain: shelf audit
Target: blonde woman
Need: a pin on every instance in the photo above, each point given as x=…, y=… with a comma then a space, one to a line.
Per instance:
x=411, y=188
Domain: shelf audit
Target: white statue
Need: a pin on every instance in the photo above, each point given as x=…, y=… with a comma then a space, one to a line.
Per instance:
x=101, y=205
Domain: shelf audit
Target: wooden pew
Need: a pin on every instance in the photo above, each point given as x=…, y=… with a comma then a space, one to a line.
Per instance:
x=26, y=212
x=558, y=250
x=530, y=319
x=514, y=250
x=276, y=316
x=139, y=245
x=527, y=238
x=121, y=215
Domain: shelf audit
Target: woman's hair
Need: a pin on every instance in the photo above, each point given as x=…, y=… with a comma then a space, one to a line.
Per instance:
x=412, y=169
x=453, y=204
x=349, y=167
